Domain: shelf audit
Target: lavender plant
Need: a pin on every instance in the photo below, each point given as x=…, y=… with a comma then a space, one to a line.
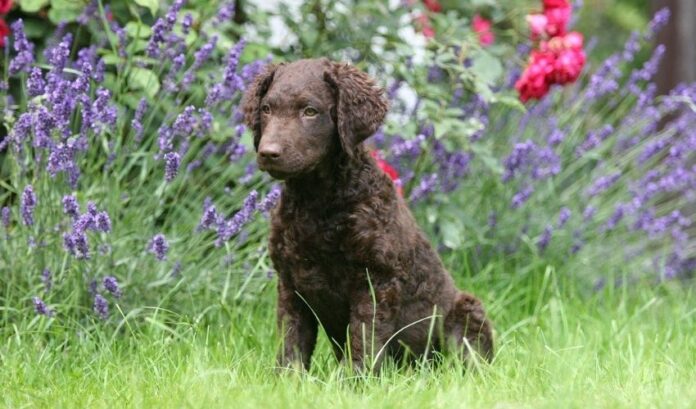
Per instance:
x=600, y=176
x=110, y=148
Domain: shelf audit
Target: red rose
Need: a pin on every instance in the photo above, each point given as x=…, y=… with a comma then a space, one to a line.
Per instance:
x=482, y=27
x=5, y=6
x=389, y=170
x=433, y=5
x=4, y=32
x=556, y=20
x=551, y=4
x=535, y=80
x=570, y=57
x=537, y=25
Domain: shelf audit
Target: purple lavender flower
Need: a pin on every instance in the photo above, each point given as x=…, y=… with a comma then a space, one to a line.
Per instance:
x=137, y=122
x=248, y=175
x=5, y=217
x=27, y=206
x=111, y=285
x=162, y=29
x=25, y=49
x=615, y=217
x=270, y=200
x=187, y=23
x=603, y=183
x=589, y=213
x=230, y=228
x=21, y=130
x=556, y=137
x=47, y=279
x=172, y=161
x=230, y=77
x=88, y=13
x=594, y=139
x=101, y=306
x=519, y=198
x=200, y=56
x=70, y=206
x=159, y=247
x=210, y=218
x=205, y=122
x=547, y=164
x=563, y=216
x=41, y=308
x=104, y=112
x=35, y=83
x=519, y=157
x=185, y=121
x=225, y=13
x=545, y=238
x=102, y=222
x=659, y=20
x=426, y=186
x=165, y=139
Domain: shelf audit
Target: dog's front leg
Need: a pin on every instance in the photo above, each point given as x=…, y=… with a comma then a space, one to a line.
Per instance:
x=298, y=327
x=372, y=323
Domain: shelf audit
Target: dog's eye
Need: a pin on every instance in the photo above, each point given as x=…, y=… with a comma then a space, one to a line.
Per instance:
x=309, y=111
x=266, y=109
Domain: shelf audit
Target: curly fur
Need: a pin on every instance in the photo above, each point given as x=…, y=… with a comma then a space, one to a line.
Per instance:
x=341, y=235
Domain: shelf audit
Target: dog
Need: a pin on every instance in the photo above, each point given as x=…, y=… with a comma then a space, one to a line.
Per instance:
x=348, y=252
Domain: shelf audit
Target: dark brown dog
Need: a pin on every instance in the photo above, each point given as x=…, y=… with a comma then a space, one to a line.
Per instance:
x=348, y=252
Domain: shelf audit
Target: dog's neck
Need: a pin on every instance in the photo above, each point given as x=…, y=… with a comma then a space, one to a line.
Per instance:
x=337, y=175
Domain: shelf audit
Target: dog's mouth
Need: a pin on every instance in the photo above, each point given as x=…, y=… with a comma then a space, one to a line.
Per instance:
x=274, y=170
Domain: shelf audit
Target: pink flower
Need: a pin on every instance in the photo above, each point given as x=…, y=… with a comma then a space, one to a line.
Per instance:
x=4, y=32
x=557, y=20
x=482, y=27
x=535, y=81
x=425, y=27
x=433, y=5
x=537, y=25
x=552, y=4
x=570, y=57
x=5, y=6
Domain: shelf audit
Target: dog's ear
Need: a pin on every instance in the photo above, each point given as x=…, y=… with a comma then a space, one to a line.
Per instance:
x=360, y=104
x=251, y=102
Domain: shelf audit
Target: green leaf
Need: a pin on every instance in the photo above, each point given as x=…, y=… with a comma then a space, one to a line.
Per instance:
x=65, y=10
x=144, y=79
x=32, y=6
x=452, y=232
x=486, y=67
x=138, y=30
x=149, y=4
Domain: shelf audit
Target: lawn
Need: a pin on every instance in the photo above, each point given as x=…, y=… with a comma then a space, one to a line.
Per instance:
x=557, y=347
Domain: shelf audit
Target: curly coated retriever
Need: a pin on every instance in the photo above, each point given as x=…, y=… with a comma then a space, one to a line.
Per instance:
x=347, y=250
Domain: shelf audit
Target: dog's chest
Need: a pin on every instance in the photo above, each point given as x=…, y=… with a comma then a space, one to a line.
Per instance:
x=312, y=249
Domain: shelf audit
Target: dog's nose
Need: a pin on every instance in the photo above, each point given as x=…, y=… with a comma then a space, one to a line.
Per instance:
x=269, y=151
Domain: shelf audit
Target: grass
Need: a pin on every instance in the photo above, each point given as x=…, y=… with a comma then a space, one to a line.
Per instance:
x=558, y=346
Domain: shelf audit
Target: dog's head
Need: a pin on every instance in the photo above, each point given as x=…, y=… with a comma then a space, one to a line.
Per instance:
x=301, y=112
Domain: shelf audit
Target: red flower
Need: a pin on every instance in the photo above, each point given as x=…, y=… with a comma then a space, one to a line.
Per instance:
x=534, y=82
x=433, y=5
x=570, y=57
x=537, y=25
x=5, y=6
x=482, y=27
x=551, y=4
x=389, y=170
x=557, y=20
x=4, y=32
x=424, y=24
